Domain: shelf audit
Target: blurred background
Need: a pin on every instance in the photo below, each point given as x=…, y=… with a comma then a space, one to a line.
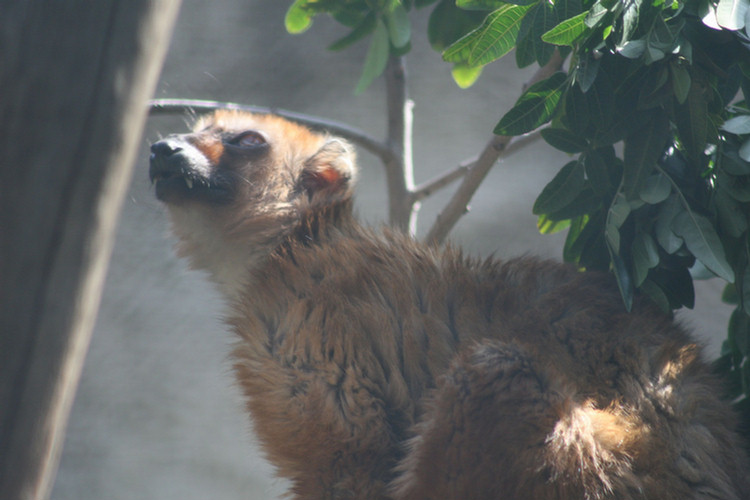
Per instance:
x=157, y=414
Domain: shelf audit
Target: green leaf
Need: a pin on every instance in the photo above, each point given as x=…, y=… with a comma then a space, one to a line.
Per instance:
x=630, y=16
x=544, y=18
x=745, y=289
x=738, y=187
x=667, y=238
x=568, y=9
x=738, y=293
x=376, y=59
x=465, y=76
x=596, y=14
x=600, y=100
x=730, y=295
x=655, y=91
x=586, y=71
x=737, y=125
x=561, y=190
x=730, y=14
x=645, y=256
x=534, y=108
x=744, y=150
x=576, y=238
x=545, y=225
x=703, y=242
x=568, y=31
x=624, y=281
x=616, y=216
x=585, y=202
x=480, y=4
x=745, y=374
x=662, y=38
x=597, y=172
x=576, y=115
x=656, y=294
x=632, y=49
x=525, y=46
x=364, y=28
x=739, y=331
x=627, y=118
x=399, y=27
x=448, y=23
x=656, y=189
x=642, y=150
x=731, y=216
x=564, y=140
x=691, y=119
x=594, y=252
x=653, y=53
x=297, y=19
x=349, y=15
x=731, y=163
x=490, y=41
x=676, y=283
x=680, y=81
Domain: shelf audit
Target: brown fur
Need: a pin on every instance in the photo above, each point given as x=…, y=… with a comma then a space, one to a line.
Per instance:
x=375, y=367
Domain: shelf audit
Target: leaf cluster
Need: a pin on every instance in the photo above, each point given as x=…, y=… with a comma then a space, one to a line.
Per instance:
x=386, y=20
x=652, y=111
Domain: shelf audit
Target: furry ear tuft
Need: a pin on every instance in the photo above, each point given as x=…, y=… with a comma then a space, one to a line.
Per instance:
x=330, y=171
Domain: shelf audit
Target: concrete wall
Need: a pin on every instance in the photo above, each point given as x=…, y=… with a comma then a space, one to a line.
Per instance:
x=157, y=414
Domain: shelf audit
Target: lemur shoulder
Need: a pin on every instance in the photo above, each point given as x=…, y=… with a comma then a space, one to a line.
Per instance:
x=377, y=367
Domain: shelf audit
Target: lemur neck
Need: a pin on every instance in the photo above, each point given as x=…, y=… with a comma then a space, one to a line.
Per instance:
x=319, y=224
x=314, y=227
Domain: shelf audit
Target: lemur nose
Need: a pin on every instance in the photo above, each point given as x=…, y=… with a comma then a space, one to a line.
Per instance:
x=164, y=148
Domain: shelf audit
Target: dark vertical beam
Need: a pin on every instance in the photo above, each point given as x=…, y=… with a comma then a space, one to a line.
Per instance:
x=75, y=77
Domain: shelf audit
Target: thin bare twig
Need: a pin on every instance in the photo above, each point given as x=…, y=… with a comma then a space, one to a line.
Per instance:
x=427, y=188
x=353, y=134
x=495, y=148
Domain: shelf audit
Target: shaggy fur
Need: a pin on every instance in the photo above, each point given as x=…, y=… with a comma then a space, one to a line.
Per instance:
x=376, y=367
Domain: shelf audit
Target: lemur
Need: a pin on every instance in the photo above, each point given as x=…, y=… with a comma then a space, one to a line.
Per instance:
x=378, y=367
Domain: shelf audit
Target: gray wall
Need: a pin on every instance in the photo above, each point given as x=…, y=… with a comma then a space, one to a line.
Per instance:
x=157, y=414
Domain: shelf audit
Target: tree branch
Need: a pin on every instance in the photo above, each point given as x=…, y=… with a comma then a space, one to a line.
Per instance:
x=427, y=188
x=353, y=134
x=496, y=147
x=396, y=152
x=399, y=168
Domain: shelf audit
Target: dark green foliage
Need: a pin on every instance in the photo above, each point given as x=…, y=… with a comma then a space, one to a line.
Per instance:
x=534, y=108
x=665, y=81
x=652, y=76
x=386, y=20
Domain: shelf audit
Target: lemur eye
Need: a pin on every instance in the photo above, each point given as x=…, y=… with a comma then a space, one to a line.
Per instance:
x=249, y=139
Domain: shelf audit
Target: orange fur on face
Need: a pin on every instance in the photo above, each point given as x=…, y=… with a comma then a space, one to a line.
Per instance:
x=211, y=147
x=376, y=367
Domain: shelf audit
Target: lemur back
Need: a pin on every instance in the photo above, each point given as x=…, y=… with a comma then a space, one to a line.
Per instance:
x=377, y=367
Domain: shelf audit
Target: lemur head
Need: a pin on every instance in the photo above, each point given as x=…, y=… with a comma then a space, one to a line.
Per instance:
x=240, y=182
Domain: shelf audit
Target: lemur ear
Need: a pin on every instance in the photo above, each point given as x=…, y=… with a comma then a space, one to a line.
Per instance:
x=330, y=170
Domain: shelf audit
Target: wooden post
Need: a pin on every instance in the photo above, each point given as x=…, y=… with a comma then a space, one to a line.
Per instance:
x=75, y=77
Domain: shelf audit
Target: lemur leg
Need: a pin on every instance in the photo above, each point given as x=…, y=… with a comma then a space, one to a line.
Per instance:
x=491, y=432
